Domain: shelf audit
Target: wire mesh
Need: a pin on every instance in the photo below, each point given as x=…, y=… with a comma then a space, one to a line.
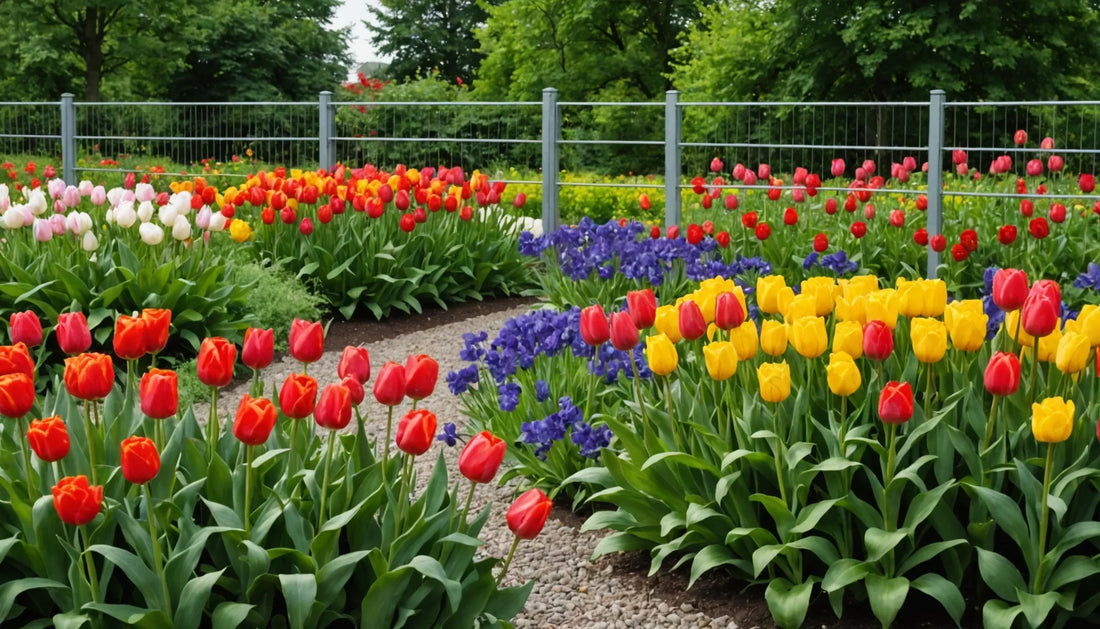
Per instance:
x=30, y=129
x=500, y=138
x=809, y=135
x=199, y=137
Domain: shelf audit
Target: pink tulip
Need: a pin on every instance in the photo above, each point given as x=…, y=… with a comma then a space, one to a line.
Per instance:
x=57, y=224
x=909, y=163
x=962, y=169
x=42, y=231
x=1055, y=163
x=861, y=173
x=764, y=171
x=1047, y=143
x=959, y=157
x=71, y=196
x=750, y=178
x=1020, y=137
x=716, y=165
x=1034, y=168
x=144, y=192
x=739, y=171
x=837, y=168
x=55, y=187
x=85, y=188
x=800, y=175
x=98, y=195
x=869, y=166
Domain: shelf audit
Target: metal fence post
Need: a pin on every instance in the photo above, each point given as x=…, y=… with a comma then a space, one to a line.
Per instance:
x=68, y=138
x=325, y=126
x=673, y=134
x=935, y=175
x=551, y=162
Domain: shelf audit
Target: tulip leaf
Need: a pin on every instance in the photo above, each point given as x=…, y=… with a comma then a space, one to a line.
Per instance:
x=1006, y=514
x=1000, y=575
x=9, y=590
x=130, y=615
x=788, y=602
x=880, y=542
x=809, y=516
x=619, y=542
x=139, y=574
x=1075, y=568
x=192, y=600
x=886, y=596
x=845, y=572
x=997, y=613
x=923, y=504
x=299, y=591
x=709, y=558
x=1037, y=607
x=618, y=520
x=223, y=515
x=229, y=615
x=945, y=592
x=259, y=462
x=924, y=552
x=681, y=458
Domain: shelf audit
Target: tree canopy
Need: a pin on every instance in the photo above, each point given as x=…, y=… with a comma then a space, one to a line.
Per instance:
x=423, y=36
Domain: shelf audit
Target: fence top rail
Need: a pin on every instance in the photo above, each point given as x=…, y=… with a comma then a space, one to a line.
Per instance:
x=442, y=103
x=809, y=103
x=597, y=103
x=300, y=103
x=16, y=103
x=1020, y=103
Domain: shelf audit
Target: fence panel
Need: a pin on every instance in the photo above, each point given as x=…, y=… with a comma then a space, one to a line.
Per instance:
x=30, y=129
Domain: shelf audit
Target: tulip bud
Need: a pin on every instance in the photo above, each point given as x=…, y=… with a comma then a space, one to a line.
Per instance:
x=140, y=461
x=661, y=354
x=159, y=393
x=929, y=339
x=307, y=340
x=692, y=324
x=333, y=409
x=808, y=336
x=354, y=363
x=421, y=373
x=76, y=502
x=528, y=514
x=624, y=333
x=842, y=374
x=26, y=328
x=254, y=420
x=482, y=456
x=1052, y=420
x=49, y=438
x=721, y=360
x=389, y=386
x=878, y=340
x=895, y=403
x=729, y=313
x=642, y=306
x=775, y=381
x=594, y=326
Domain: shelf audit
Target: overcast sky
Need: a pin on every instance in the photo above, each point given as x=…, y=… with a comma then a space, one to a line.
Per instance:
x=352, y=13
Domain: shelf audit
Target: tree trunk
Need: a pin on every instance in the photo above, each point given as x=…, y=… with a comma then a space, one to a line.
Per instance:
x=92, y=45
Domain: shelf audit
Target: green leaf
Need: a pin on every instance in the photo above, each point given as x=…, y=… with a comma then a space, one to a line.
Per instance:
x=11, y=589
x=333, y=575
x=1006, y=513
x=69, y=620
x=130, y=615
x=619, y=542
x=1037, y=606
x=886, y=596
x=707, y=559
x=845, y=572
x=999, y=613
x=943, y=591
x=1073, y=569
x=1000, y=575
x=430, y=568
x=809, y=516
x=788, y=603
x=139, y=574
x=192, y=599
x=299, y=590
x=682, y=458
x=880, y=542
x=230, y=615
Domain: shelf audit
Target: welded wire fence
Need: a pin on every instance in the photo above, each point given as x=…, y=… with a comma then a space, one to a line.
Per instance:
x=30, y=129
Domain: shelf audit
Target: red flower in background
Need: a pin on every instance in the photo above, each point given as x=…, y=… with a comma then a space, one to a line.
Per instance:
x=694, y=234
x=763, y=231
x=723, y=238
x=939, y=243
x=959, y=252
x=1057, y=212
x=790, y=216
x=748, y=219
x=821, y=242
x=859, y=229
x=1006, y=235
x=830, y=205
x=1087, y=183
x=921, y=237
x=1039, y=227
x=969, y=239
x=1027, y=208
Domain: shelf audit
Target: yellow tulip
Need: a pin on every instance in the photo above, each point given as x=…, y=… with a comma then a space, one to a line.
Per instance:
x=775, y=381
x=1014, y=330
x=848, y=338
x=721, y=359
x=661, y=354
x=1052, y=420
x=883, y=305
x=773, y=337
x=929, y=338
x=799, y=306
x=935, y=294
x=1089, y=322
x=966, y=324
x=668, y=322
x=767, y=292
x=858, y=286
x=745, y=339
x=823, y=291
x=910, y=298
x=809, y=337
x=1073, y=353
x=1047, y=349
x=852, y=309
x=842, y=374
x=239, y=230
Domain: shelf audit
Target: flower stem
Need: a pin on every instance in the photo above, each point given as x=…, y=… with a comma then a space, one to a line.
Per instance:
x=992, y=422
x=28, y=470
x=248, y=490
x=324, y=484
x=212, y=424
x=892, y=433
x=1043, y=519
x=671, y=416
x=93, y=578
x=508, y=561
x=780, y=449
x=257, y=388
x=638, y=388
x=928, y=391
x=1034, y=369
x=292, y=461
x=88, y=437
x=386, y=445
x=591, y=390
x=466, y=508
x=158, y=559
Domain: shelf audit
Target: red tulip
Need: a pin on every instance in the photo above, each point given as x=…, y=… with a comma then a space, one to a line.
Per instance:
x=215, y=361
x=1006, y=235
x=157, y=324
x=16, y=359
x=594, y=327
x=837, y=168
x=355, y=389
x=1027, y=208
x=897, y=218
x=938, y=243
x=624, y=334
x=830, y=205
x=821, y=242
x=254, y=421
x=528, y=514
x=416, y=432
x=790, y=216
x=140, y=461
x=1057, y=212
x=159, y=393
x=72, y=333
x=421, y=373
x=728, y=313
x=1055, y=163
x=89, y=376
x=1020, y=137
x=298, y=396
x=26, y=328
x=1039, y=315
x=748, y=219
x=878, y=340
x=1047, y=143
x=722, y=238
x=354, y=363
x=716, y=165
x=1010, y=289
x=1039, y=227
x=482, y=456
x=859, y=229
x=49, y=438
x=129, y=340
x=921, y=237
x=642, y=306
x=1002, y=374
x=1034, y=168
x=389, y=386
x=334, y=408
x=763, y=231
x=307, y=340
x=643, y=201
x=730, y=202
x=958, y=157
x=1087, y=182
x=959, y=252
x=259, y=347
x=694, y=234
x=76, y=502
x=895, y=403
x=692, y=323
x=16, y=395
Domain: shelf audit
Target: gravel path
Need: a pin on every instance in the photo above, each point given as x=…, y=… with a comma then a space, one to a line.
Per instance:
x=570, y=590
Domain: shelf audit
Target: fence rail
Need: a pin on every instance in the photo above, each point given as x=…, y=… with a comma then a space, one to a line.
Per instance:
x=673, y=136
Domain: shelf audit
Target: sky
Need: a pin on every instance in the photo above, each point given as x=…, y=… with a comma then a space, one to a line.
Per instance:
x=352, y=13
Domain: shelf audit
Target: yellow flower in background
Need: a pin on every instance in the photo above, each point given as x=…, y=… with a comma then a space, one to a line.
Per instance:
x=721, y=359
x=852, y=309
x=1088, y=322
x=1047, y=349
x=798, y=307
x=239, y=230
x=842, y=374
x=661, y=354
x=1016, y=331
x=775, y=381
x=1052, y=420
x=668, y=322
x=767, y=292
x=935, y=297
x=773, y=337
x=883, y=305
x=745, y=339
x=823, y=290
x=809, y=337
x=929, y=338
x=910, y=298
x=848, y=338
x=1073, y=353
x=784, y=299
x=858, y=286
x=966, y=323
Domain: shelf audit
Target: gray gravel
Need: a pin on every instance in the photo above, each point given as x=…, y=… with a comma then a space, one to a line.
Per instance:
x=570, y=590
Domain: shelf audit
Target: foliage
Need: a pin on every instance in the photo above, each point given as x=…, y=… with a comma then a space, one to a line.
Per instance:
x=276, y=298
x=423, y=36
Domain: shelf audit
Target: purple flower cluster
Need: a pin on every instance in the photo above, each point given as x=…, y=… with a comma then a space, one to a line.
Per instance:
x=1090, y=279
x=838, y=262
x=545, y=432
x=589, y=250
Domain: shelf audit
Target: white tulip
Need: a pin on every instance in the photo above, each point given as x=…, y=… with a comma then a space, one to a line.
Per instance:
x=181, y=229
x=90, y=242
x=151, y=234
x=114, y=195
x=144, y=192
x=181, y=201
x=145, y=212
x=217, y=222
x=5, y=199
x=13, y=218
x=85, y=188
x=125, y=215
x=36, y=201
x=168, y=214
x=110, y=217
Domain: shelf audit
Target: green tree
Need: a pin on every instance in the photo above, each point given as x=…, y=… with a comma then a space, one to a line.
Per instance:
x=426, y=35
